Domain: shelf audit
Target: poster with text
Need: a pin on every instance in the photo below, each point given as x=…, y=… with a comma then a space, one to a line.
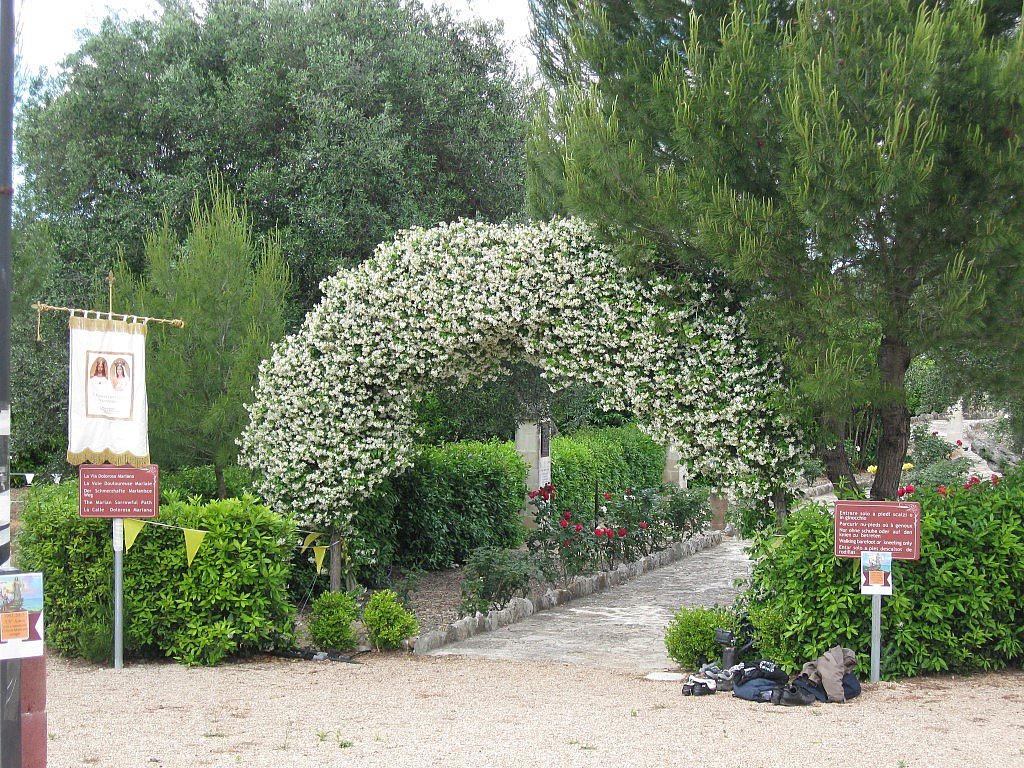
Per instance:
x=876, y=573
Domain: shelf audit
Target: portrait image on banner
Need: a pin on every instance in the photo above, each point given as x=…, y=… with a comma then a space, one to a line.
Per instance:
x=107, y=413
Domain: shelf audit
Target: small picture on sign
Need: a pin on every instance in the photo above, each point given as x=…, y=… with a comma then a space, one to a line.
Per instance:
x=876, y=573
x=21, y=592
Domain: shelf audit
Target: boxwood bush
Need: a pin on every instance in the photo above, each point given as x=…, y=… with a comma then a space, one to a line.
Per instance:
x=232, y=599
x=690, y=637
x=456, y=498
x=958, y=608
x=614, y=459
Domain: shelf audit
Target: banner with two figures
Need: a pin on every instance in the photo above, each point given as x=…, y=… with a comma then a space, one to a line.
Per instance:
x=107, y=409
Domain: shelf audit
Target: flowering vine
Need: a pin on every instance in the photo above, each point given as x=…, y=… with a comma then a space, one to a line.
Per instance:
x=333, y=411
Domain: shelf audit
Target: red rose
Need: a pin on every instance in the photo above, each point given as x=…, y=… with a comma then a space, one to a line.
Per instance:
x=910, y=489
x=628, y=492
x=532, y=494
x=599, y=532
x=567, y=514
x=563, y=522
x=579, y=527
x=643, y=526
x=607, y=495
x=935, y=432
x=565, y=543
x=622, y=531
x=900, y=492
x=609, y=533
x=941, y=489
x=960, y=442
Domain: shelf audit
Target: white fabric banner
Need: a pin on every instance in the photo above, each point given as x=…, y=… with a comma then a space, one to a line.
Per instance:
x=108, y=416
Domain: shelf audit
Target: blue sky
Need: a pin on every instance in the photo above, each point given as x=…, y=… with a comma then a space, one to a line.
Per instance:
x=47, y=28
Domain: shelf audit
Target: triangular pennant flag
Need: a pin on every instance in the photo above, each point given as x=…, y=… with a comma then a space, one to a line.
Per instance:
x=318, y=554
x=132, y=528
x=193, y=539
x=310, y=538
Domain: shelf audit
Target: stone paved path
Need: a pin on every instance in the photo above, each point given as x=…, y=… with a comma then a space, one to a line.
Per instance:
x=622, y=627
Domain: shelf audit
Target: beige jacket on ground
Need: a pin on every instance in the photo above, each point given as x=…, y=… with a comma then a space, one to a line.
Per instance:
x=829, y=669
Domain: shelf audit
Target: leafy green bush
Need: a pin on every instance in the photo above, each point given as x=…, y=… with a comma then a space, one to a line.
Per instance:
x=690, y=637
x=593, y=461
x=232, y=599
x=387, y=621
x=958, y=608
x=331, y=626
x=493, y=577
x=456, y=498
x=201, y=482
x=932, y=466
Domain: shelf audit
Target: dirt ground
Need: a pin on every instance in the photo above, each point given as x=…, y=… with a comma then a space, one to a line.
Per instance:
x=404, y=711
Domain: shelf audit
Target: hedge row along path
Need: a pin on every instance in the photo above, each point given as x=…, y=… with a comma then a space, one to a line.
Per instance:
x=621, y=628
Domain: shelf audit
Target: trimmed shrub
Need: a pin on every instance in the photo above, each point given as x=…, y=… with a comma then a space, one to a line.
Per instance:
x=690, y=637
x=331, y=626
x=493, y=577
x=456, y=498
x=958, y=608
x=387, y=621
x=598, y=460
x=233, y=598
x=201, y=482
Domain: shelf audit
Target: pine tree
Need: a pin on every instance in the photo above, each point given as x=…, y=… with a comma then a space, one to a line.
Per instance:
x=855, y=171
x=232, y=295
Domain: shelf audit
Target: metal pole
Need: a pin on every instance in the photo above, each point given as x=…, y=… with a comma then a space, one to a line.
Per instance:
x=876, y=637
x=10, y=671
x=118, y=593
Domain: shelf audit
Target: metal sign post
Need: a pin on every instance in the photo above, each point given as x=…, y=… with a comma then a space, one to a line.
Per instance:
x=118, y=593
x=118, y=492
x=877, y=532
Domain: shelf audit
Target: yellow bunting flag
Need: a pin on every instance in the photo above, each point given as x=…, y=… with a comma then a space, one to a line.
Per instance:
x=132, y=528
x=310, y=538
x=318, y=554
x=193, y=539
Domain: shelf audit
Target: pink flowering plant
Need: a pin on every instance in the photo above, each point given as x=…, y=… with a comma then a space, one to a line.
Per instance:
x=620, y=527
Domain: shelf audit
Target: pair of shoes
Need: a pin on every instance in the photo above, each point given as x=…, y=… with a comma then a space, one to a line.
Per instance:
x=794, y=697
x=699, y=686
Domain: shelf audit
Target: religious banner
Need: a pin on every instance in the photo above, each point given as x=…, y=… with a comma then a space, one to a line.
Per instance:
x=108, y=418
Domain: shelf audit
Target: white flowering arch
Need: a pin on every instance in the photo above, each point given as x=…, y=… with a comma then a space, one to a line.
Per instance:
x=333, y=412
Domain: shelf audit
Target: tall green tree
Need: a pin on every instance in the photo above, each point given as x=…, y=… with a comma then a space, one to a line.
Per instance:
x=854, y=171
x=231, y=292
x=335, y=122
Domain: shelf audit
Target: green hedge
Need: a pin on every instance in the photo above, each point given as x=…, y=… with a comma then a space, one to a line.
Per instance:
x=958, y=608
x=613, y=458
x=232, y=599
x=201, y=481
x=456, y=498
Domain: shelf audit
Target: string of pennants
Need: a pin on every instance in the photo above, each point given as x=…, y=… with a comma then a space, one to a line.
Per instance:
x=194, y=539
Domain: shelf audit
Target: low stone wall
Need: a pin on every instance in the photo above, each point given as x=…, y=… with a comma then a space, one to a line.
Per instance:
x=519, y=607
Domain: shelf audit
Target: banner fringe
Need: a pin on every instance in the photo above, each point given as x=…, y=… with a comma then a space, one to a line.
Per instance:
x=107, y=456
x=105, y=324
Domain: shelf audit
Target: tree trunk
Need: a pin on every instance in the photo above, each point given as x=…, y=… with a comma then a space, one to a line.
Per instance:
x=781, y=510
x=893, y=361
x=335, y=567
x=838, y=469
x=222, y=488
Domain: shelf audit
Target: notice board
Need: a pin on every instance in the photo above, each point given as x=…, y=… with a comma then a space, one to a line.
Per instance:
x=109, y=491
x=878, y=526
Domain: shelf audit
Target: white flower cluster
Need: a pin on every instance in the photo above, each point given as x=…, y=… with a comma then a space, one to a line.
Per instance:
x=332, y=417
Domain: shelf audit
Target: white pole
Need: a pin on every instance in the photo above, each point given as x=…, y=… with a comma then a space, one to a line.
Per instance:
x=118, y=593
x=876, y=637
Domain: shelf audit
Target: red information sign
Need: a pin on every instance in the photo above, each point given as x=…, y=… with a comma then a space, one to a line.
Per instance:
x=108, y=491
x=878, y=526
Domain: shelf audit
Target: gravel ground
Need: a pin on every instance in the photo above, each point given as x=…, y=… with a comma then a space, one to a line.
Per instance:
x=403, y=711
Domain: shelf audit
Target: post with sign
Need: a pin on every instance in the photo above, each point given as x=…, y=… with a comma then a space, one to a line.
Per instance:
x=876, y=533
x=118, y=492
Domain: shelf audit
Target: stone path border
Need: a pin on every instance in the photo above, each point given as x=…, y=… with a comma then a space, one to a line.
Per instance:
x=519, y=607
